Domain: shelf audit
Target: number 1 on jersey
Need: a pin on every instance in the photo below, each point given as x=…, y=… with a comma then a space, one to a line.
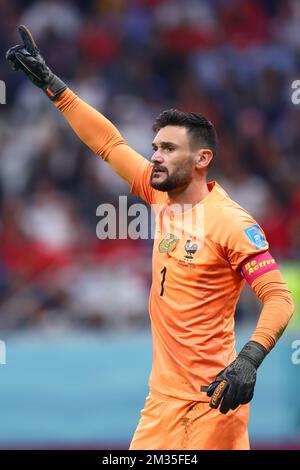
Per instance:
x=163, y=272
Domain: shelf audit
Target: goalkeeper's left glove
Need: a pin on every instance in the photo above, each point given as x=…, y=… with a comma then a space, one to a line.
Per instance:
x=235, y=384
x=27, y=57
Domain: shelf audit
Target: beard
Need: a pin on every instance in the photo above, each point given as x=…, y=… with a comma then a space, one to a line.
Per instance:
x=181, y=176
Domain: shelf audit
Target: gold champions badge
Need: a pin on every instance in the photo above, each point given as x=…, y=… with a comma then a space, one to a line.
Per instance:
x=168, y=244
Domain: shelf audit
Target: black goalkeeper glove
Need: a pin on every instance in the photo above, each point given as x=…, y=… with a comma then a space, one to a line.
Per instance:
x=27, y=57
x=235, y=384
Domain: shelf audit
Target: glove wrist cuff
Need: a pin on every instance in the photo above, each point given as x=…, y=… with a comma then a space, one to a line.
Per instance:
x=254, y=353
x=54, y=88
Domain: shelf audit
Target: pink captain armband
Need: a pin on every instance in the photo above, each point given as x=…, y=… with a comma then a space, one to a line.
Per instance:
x=257, y=265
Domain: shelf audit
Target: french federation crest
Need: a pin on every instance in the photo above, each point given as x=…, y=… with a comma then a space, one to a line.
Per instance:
x=168, y=244
x=190, y=249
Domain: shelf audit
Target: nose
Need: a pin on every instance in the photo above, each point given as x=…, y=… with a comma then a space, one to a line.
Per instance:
x=157, y=157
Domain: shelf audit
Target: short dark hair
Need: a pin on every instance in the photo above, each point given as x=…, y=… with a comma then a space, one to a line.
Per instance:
x=200, y=129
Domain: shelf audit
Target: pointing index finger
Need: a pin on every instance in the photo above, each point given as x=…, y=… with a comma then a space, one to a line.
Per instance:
x=28, y=40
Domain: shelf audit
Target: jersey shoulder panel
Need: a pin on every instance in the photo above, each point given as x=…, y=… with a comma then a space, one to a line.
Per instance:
x=236, y=231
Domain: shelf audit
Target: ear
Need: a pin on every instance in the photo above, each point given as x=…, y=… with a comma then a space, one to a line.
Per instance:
x=203, y=158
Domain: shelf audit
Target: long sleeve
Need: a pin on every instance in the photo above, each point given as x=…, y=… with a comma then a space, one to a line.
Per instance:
x=277, y=309
x=100, y=135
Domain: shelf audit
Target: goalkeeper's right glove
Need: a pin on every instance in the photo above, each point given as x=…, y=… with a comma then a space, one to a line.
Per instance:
x=27, y=57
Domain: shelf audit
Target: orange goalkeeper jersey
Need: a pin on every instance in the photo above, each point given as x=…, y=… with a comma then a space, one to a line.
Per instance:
x=197, y=268
x=195, y=286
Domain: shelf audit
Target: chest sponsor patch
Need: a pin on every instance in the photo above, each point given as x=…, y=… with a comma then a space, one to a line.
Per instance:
x=258, y=265
x=256, y=237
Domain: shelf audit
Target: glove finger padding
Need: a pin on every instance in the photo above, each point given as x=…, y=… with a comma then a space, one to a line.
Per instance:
x=216, y=391
x=236, y=397
x=227, y=402
x=212, y=387
x=247, y=397
x=35, y=69
x=29, y=48
x=232, y=398
x=28, y=40
x=11, y=57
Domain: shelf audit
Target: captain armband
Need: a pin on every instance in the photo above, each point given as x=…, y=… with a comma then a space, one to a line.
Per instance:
x=257, y=265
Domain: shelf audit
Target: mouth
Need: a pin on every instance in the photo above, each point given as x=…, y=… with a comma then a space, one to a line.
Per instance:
x=156, y=172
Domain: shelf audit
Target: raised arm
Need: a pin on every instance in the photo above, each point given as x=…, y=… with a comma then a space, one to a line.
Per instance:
x=97, y=132
x=100, y=135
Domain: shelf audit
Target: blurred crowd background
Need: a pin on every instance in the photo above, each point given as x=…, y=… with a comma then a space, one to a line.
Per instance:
x=232, y=60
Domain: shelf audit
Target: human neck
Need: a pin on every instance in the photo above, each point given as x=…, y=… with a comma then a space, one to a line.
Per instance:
x=191, y=194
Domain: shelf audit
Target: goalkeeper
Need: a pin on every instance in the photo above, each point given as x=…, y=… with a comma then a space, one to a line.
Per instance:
x=199, y=388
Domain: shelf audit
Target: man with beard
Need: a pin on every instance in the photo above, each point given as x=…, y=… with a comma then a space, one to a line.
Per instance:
x=199, y=388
